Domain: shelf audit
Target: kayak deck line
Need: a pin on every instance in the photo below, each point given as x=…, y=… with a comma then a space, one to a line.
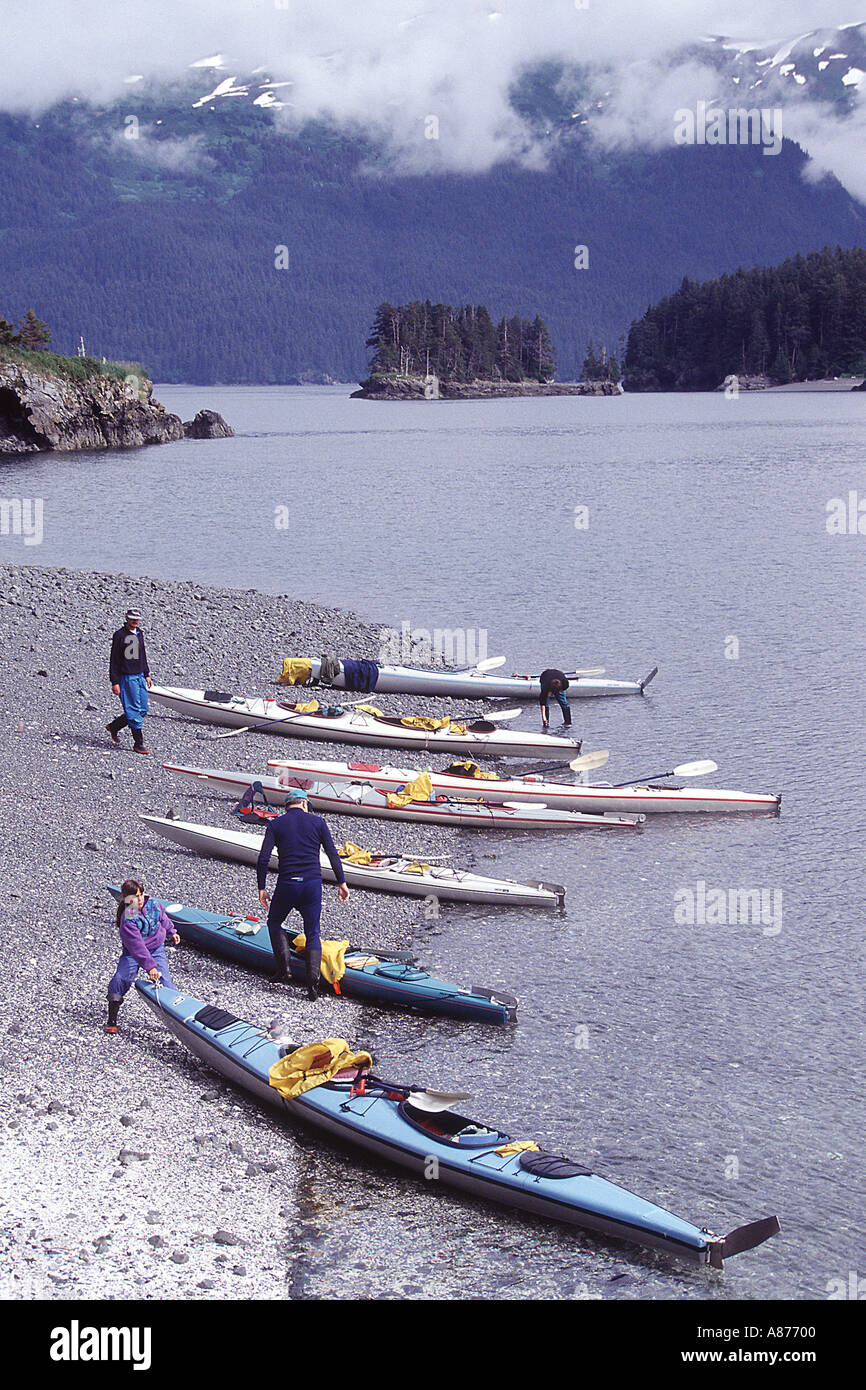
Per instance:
x=385, y=1124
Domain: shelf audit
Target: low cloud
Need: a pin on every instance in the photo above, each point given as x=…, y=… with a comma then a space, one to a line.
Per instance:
x=388, y=65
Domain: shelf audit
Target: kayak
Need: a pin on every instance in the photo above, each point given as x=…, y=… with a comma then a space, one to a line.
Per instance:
x=370, y=977
x=568, y=796
x=361, y=798
x=356, y=726
x=387, y=873
x=473, y=684
x=416, y=1129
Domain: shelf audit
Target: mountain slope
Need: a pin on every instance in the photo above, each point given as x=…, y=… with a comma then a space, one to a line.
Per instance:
x=163, y=248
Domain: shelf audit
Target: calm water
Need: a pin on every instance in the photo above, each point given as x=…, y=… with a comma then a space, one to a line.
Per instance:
x=716, y=1068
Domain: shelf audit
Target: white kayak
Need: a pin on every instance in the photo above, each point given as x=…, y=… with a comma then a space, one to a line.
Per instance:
x=568, y=796
x=476, y=684
x=482, y=736
x=386, y=874
x=361, y=798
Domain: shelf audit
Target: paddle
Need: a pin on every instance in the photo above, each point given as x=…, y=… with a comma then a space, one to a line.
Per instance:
x=698, y=769
x=280, y=719
x=585, y=763
x=489, y=664
x=589, y=671
x=433, y=1102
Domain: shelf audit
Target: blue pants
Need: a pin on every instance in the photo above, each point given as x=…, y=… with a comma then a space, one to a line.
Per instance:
x=133, y=697
x=128, y=967
x=303, y=895
x=562, y=700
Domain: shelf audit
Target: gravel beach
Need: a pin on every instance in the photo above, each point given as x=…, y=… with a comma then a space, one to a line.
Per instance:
x=127, y=1168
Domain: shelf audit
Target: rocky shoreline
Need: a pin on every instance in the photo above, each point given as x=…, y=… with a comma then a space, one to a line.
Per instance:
x=127, y=1168
x=419, y=388
x=43, y=409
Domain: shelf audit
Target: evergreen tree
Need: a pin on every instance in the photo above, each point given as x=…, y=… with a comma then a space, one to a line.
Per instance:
x=33, y=333
x=803, y=319
x=7, y=332
x=424, y=339
x=589, y=370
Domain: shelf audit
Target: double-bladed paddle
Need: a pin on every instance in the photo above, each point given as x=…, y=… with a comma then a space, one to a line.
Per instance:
x=585, y=763
x=698, y=769
x=280, y=719
x=433, y=1102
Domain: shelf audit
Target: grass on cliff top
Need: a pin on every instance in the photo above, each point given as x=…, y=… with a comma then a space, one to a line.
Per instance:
x=80, y=368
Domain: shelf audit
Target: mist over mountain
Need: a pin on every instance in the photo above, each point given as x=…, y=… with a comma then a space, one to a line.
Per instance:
x=240, y=224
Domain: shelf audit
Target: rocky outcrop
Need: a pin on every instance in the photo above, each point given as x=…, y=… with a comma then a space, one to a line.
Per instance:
x=42, y=409
x=419, y=388
x=208, y=424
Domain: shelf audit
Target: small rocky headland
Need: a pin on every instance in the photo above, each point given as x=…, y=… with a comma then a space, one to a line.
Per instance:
x=65, y=403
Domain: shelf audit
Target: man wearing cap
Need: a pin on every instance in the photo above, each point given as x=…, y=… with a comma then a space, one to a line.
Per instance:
x=130, y=679
x=298, y=837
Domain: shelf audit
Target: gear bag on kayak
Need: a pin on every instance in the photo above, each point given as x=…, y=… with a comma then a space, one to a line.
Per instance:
x=313, y=1065
x=469, y=769
x=249, y=813
x=419, y=789
x=296, y=670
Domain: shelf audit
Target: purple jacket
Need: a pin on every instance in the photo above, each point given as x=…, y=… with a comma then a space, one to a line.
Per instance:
x=145, y=931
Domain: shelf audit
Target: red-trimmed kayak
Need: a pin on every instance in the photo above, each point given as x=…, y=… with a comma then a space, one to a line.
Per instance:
x=405, y=1125
x=567, y=796
x=361, y=798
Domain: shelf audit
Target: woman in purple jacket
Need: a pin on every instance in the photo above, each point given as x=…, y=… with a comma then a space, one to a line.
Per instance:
x=143, y=927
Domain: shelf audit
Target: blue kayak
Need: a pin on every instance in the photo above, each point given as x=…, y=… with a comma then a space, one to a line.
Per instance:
x=372, y=978
x=415, y=1128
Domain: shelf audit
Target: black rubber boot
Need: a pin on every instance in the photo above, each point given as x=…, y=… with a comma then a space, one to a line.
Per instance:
x=314, y=965
x=113, y=1010
x=280, y=947
x=138, y=741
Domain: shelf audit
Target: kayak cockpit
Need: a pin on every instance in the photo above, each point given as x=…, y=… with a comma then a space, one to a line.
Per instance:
x=446, y=1127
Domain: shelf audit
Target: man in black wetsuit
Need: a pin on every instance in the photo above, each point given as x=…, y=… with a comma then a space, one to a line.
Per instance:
x=298, y=837
x=554, y=683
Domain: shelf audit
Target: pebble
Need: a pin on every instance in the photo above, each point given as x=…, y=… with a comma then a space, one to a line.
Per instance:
x=81, y=831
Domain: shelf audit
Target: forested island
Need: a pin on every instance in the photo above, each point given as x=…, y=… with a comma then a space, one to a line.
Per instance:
x=803, y=320
x=432, y=351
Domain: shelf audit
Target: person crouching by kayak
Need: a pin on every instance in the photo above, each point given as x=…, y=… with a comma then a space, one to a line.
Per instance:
x=554, y=683
x=143, y=927
x=298, y=837
x=129, y=674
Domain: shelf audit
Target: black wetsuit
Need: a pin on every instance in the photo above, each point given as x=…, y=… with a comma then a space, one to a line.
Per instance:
x=298, y=836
